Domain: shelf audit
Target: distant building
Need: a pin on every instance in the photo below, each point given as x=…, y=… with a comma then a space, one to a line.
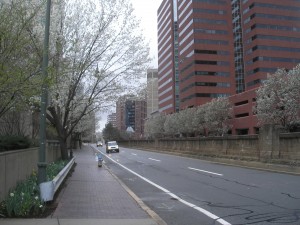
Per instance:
x=152, y=91
x=131, y=112
x=112, y=118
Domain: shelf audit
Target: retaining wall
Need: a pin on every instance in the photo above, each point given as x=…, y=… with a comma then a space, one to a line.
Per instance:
x=269, y=145
x=16, y=166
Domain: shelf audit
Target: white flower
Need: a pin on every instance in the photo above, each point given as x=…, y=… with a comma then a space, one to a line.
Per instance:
x=36, y=197
x=41, y=206
x=12, y=194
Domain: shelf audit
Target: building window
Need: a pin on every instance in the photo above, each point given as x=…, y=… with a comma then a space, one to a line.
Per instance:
x=241, y=103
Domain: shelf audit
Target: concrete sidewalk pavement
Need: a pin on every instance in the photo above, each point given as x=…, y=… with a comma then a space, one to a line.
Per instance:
x=94, y=196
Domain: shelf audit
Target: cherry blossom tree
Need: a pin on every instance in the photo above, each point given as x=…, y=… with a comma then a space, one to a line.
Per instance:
x=278, y=99
x=199, y=120
x=217, y=114
x=154, y=126
x=99, y=53
x=185, y=121
x=172, y=125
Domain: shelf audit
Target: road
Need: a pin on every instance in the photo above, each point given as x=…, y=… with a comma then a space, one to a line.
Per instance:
x=184, y=191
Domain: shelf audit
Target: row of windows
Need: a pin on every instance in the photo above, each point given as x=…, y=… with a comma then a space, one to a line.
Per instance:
x=264, y=70
x=205, y=73
x=211, y=42
x=206, y=84
x=279, y=17
x=209, y=11
x=273, y=27
x=271, y=6
x=211, y=52
x=272, y=48
x=209, y=21
x=210, y=62
x=270, y=16
x=211, y=1
x=206, y=31
x=205, y=62
x=205, y=95
x=272, y=59
x=212, y=84
x=271, y=37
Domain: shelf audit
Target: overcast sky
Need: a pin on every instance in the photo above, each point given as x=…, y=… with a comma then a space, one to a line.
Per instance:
x=146, y=11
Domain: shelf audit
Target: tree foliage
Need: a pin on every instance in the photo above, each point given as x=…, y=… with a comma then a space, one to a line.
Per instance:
x=99, y=52
x=218, y=112
x=110, y=133
x=278, y=99
x=154, y=126
x=20, y=56
x=211, y=118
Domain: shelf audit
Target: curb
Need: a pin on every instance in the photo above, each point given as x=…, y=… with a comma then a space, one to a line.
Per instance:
x=149, y=211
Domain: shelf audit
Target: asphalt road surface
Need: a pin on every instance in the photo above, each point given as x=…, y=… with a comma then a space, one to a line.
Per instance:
x=184, y=191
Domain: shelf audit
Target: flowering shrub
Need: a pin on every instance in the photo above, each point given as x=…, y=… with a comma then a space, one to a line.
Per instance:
x=54, y=168
x=24, y=200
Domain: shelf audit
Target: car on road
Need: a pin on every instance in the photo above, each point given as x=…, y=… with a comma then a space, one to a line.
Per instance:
x=99, y=144
x=112, y=146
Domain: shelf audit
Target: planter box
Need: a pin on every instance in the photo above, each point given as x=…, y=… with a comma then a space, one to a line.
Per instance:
x=48, y=189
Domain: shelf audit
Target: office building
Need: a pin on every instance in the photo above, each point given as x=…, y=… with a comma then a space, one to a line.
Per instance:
x=225, y=48
x=130, y=115
x=152, y=91
x=168, y=89
x=112, y=118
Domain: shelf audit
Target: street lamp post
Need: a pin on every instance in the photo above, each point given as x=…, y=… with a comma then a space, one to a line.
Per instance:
x=44, y=99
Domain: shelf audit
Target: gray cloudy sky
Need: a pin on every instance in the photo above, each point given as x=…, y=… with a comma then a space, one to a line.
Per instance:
x=147, y=12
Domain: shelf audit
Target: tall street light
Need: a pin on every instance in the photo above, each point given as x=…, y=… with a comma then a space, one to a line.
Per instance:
x=44, y=99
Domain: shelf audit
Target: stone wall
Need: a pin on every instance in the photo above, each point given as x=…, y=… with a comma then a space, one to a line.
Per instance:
x=269, y=145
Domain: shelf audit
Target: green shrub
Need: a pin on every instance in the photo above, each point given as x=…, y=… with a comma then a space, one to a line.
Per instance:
x=54, y=168
x=13, y=143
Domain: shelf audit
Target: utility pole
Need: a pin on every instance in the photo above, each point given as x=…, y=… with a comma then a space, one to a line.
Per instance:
x=44, y=100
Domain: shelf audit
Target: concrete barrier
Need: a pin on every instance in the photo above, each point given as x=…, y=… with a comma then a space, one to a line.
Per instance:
x=49, y=188
x=270, y=146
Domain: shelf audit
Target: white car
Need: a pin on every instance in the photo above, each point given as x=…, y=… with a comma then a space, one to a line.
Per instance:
x=112, y=146
x=99, y=144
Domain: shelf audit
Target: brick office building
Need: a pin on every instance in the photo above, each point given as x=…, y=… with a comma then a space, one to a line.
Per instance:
x=131, y=113
x=227, y=48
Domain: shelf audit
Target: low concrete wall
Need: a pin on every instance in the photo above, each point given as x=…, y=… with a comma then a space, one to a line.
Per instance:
x=16, y=166
x=231, y=146
x=289, y=146
x=269, y=146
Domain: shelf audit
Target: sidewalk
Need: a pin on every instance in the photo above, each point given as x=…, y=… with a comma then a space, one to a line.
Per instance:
x=93, y=196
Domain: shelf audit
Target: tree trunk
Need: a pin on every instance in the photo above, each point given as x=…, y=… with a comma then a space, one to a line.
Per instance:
x=63, y=148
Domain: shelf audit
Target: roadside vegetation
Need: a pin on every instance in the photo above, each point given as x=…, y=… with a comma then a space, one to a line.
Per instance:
x=24, y=201
x=96, y=52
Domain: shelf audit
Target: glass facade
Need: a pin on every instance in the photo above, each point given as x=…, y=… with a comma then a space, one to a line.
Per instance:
x=238, y=46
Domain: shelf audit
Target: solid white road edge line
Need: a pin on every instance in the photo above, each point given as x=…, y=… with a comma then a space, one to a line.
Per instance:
x=154, y=159
x=205, y=212
x=191, y=168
